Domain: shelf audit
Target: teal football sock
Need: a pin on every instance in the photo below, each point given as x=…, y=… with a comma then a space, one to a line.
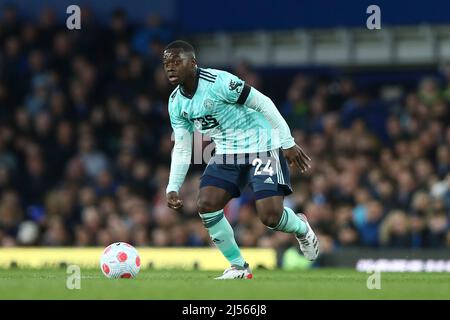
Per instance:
x=291, y=223
x=222, y=235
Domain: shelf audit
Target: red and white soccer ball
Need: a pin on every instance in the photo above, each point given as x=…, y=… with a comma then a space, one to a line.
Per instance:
x=120, y=260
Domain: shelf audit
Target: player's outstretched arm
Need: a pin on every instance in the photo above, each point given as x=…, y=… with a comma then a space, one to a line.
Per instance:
x=292, y=152
x=181, y=159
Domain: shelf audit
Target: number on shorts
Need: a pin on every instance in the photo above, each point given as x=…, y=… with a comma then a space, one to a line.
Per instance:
x=267, y=168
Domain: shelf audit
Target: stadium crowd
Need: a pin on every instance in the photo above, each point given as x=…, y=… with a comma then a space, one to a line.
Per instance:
x=85, y=148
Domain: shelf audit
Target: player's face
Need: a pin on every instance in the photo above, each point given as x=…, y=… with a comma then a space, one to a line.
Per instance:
x=178, y=65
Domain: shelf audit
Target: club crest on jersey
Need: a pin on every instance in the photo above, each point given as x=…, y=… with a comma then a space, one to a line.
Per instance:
x=235, y=86
x=208, y=104
x=185, y=115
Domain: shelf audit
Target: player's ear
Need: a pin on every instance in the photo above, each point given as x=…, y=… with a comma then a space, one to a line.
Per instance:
x=194, y=62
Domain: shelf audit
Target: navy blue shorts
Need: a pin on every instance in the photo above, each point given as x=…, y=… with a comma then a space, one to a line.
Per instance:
x=266, y=173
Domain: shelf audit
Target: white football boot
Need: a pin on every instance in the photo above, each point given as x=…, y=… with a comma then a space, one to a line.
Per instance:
x=309, y=244
x=236, y=272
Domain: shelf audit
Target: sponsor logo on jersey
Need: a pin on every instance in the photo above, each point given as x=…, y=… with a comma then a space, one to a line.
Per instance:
x=197, y=124
x=205, y=123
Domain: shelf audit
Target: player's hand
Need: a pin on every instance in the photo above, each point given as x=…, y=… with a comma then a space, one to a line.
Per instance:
x=173, y=201
x=295, y=156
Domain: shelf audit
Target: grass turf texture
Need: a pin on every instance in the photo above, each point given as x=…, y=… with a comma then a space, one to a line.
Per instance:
x=19, y=283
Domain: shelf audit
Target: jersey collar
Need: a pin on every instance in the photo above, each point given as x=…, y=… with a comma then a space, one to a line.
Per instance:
x=195, y=88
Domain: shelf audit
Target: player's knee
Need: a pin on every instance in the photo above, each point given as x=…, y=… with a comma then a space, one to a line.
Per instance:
x=270, y=213
x=270, y=218
x=205, y=205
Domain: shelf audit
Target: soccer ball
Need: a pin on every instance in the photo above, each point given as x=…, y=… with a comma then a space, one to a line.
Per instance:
x=120, y=260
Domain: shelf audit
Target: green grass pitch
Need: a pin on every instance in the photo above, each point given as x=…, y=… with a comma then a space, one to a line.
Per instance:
x=20, y=283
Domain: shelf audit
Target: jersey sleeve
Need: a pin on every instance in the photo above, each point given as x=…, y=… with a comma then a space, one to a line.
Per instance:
x=230, y=88
x=182, y=150
x=263, y=104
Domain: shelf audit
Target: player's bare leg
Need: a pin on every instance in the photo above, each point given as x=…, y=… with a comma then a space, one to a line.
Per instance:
x=212, y=198
x=211, y=202
x=277, y=217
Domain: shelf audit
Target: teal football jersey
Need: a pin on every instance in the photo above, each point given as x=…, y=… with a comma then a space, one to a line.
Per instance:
x=217, y=109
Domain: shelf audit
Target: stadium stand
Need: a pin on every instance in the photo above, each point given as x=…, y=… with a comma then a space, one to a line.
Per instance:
x=85, y=147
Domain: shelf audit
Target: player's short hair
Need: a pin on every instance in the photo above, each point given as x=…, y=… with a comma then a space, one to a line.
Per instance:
x=180, y=44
